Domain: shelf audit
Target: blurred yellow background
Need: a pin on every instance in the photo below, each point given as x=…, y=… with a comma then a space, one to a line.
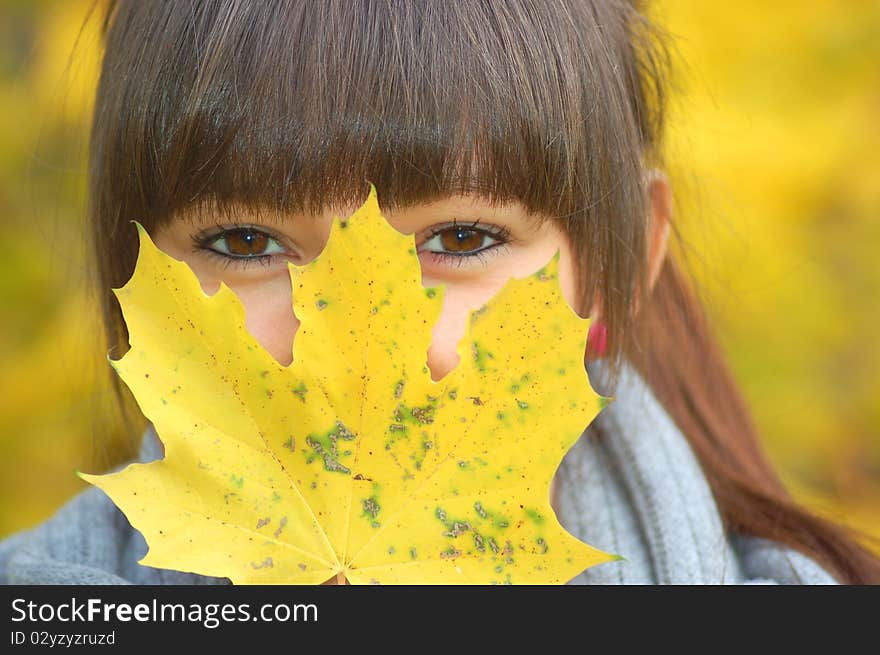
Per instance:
x=773, y=153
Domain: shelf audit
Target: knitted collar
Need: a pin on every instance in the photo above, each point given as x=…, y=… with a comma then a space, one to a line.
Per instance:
x=632, y=486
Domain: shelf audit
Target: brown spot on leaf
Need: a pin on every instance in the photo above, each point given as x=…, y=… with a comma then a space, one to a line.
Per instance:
x=424, y=415
x=371, y=507
x=283, y=523
x=458, y=528
x=329, y=458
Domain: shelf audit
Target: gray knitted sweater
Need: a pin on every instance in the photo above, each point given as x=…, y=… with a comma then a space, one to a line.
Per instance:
x=637, y=491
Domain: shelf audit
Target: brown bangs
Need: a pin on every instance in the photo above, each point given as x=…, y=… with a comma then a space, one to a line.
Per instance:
x=296, y=106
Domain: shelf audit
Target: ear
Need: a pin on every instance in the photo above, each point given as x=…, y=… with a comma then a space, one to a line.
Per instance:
x=660, y=210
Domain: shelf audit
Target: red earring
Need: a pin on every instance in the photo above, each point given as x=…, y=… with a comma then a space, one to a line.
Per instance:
x=597, y=340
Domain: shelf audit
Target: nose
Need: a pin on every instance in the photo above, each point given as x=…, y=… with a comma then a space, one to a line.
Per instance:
x=270, y=319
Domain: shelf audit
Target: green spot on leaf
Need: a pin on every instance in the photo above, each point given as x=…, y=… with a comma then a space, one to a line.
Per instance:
x=327, y=448
x=300, y=391
x=480, y=356
x=371, y=510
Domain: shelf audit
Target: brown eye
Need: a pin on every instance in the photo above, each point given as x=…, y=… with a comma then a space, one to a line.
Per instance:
x=460, y=239
x=245, y=242
x=459, y=244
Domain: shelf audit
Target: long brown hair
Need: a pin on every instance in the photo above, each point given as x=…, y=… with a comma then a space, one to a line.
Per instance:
x=292, y=106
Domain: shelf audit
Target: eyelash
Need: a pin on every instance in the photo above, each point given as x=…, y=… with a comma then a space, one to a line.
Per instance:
x=205, y=239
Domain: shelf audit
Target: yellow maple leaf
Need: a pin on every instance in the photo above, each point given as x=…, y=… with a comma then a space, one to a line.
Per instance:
x=351, y=462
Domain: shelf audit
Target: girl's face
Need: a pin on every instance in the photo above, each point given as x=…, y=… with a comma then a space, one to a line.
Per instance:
x=466, y=244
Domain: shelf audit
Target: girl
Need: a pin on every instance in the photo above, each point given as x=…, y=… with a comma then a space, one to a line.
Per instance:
x=497, y=133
